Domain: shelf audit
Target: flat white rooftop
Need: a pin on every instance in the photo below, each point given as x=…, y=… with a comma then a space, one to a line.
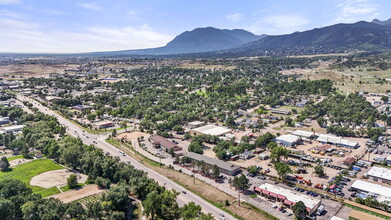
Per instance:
x=380, y=172
x=212, y=130
x=288, y=138
x=302, y=133
x=293, y=196
x=335, y=140
x=14, y=127
x=383, y=191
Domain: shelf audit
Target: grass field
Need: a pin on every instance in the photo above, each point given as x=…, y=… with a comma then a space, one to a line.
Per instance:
x=66, y=188
x=15, y=157
x=25, y=172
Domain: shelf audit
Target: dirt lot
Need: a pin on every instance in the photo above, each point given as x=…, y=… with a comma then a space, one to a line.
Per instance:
x=73, y=195
x=30, y=70
x=55, y=178
x=18, y=161
x=132, y=135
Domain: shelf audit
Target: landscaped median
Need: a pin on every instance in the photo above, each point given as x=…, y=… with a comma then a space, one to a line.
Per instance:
x=209, y=193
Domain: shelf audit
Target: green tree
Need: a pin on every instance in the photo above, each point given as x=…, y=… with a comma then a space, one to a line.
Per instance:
x=282, y=169
x=241, y=183
x=190, y=211
x=4, y=164
x=300, y=210
x=253, y=169
x=264, y=139
x=384, y=98
x=72, y=181
x=319, y=170
x=215, y=172
x=278, y=153
x=289, y=121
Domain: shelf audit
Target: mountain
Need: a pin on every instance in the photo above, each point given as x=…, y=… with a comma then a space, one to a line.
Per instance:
x=377, y=21
x=335, y=38
x=195, y=41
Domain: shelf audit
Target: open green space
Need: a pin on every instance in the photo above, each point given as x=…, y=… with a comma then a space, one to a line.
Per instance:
x=25, y=172
x=15, y=157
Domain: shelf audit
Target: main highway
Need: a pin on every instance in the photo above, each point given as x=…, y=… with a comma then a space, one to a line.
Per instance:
x=184, y=197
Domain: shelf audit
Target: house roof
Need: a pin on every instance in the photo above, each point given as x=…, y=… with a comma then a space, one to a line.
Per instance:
x=221, y=164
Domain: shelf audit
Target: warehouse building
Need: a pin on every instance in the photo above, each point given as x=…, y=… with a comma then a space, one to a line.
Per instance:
x=225, y=167
x=195, y=124
x=379, y=174
x=304, y=134
x=13, y=128
x=381, y=193
x=210, y=130
x=288, y=140
x=339, y=141
x=287, y=197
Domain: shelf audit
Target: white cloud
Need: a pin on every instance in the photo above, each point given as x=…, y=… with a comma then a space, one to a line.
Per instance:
x=11, y=14
x=278, y=24
x=356, y=10
x=9, y=2
x=234, y=17
x=90, y=6
x=22, y=36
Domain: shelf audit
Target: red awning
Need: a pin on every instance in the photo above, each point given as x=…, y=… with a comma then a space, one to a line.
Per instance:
x=258, y=189
x=264, y=191
x=273, y=194
x=288, y=202
x=281, y=197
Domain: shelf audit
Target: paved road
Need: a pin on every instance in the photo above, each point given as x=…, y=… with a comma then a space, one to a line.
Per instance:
x=88, y=138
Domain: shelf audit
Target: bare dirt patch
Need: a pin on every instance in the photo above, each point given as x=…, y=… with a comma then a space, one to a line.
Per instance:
x=132, y=135
x=55, y=178
x=18, y=161
x=76, y=194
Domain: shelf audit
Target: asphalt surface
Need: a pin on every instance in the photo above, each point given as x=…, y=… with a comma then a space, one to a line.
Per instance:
x=184, y=197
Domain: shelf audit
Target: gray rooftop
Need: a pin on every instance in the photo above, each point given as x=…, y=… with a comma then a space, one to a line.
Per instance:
x=221, y=164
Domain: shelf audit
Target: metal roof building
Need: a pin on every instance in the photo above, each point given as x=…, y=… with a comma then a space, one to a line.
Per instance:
x=210, y=130
x=287, y=140
x=225, y=167
x=305, y=134
x=383, y=193
x=339, y=141
x=380, y=174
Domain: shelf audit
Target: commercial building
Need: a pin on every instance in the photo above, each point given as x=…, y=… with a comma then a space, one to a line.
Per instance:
x=379, y=174
x=339, y=141
x=304, y=134
x=287, y=196
x=381, y=193
x=159, y=141
x=288, y=140
x=210, y=130
x=195, y=124
x=104, y=124
x=225, y=167
x=13, y=128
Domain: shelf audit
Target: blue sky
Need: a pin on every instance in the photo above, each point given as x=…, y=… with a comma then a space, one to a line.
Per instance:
x=67, y=26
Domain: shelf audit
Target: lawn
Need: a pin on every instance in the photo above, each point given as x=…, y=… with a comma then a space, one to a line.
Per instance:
x=66, y=188
x=25, y=172
x=15, y=157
